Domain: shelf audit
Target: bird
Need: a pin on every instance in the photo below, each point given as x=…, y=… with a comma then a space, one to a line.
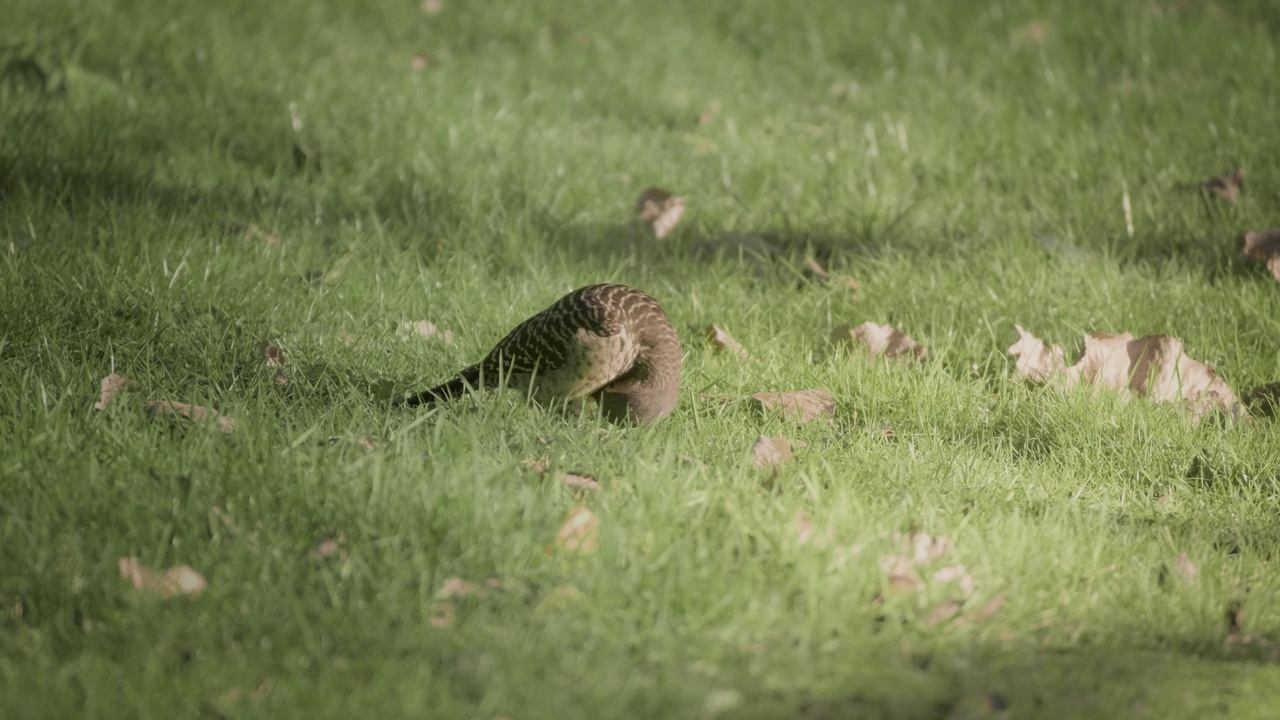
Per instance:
x=609, y=342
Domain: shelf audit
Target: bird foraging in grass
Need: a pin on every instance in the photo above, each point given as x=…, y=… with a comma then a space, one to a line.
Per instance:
x=607, y=342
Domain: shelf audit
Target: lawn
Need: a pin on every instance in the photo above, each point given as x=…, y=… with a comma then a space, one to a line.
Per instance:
x=182, y=182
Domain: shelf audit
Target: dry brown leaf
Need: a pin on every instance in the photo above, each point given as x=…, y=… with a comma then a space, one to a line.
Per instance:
x=1264, y=246
x=722, y=340
x=455, y=587
x=943, y=612
x=325, y=549
x=1036, y=361
x=923, y=547
x=880, y=340
x=798, y=405
x=580, y=531
x=253, y=233
x=660, y=209
x=113, y=385
x=984, y=613
x=956, y=574
x=1185, y=568
x=1226, y=187
x=273, y=355
x=581, y=481
x=428, y=330
x=418, y=62
x=1154, y=367
x=814, y=270
x=195, y=413
x=432, y=7
x=852, y=285
x=443, y=615
x=770, y=451
x=180, y=580
x=900, y=574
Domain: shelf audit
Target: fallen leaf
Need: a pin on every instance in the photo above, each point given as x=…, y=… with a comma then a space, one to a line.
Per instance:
x=428, y=330
x=798, y=405
x=814, y=270
x=770, y=451
x=722, y=340
x=195, y=413
x=366, y=443
x=660, y=209
x=580, y=531
x=418, y=62
x=1154, y=367
x=943, y=612
x=581, y=481
x=443, y=615
x=113, y=385
x=432, y=7
x=1226, y=187
x=984, y=613
x=1187, y=569
x=956, y=574
x=803, y=527
x=1264, y=246
x=280, y=378
x=923, y=547
x=253, y=233
x=180, y=580
x=900, y=575
x=852, y=285
x=1035, y=361
x=273, y=355
x=1033, y=32
x=1264, y=400
x=880, y=340
x=325, y=549
x=455, y=587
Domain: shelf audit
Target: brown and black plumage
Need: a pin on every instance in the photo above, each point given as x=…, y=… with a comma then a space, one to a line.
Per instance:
x=609, y=342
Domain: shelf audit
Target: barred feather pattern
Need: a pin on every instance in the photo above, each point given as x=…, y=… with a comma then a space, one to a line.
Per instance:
x=610, y=342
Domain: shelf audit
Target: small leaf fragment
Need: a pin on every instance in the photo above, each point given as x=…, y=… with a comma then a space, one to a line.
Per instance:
x=581, y=481
x=661, y=209
x=798, y=405
x=880, y=340
x=1185, y=568
x=984, y=613
x=456, y=587
x=956, y=574
x=273, y=355
x=1035, y=361
x=723, y=341
x=813, y=270
x=580, y=531
x=194, y=413
x=180, y=580
x=113, y=385
x=943, y=612
x=769, y=451
x=1226, y=187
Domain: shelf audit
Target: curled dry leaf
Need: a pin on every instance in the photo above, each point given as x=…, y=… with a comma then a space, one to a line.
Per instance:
x=428, y=330
x=723, y=341
x=943, y=612
x=180, y=580
x=113, y=385
x=194, y=413
x=1264, y=246
x=1035, y=361
x=581, y=481
x=272, y=354
x=1185, y=568
x=769, y=451
x=984, y=613
x=660, y=209
x=580, y=531
x=1226, y=187
x=880, y=340
x=798, y=405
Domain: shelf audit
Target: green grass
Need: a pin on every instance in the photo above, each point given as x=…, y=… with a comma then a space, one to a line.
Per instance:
x=920, y=148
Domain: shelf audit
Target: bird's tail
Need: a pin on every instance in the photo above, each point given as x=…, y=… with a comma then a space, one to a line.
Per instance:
x=459, y=385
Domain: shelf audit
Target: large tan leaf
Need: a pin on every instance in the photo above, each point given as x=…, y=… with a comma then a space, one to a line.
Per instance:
x=113, y=385
x=1035, y=360
x=660, y=209
x=1153, y=367
x=1264, y=246
x=880, y=340
x=798, y=405
x=723, y=341
x=770, y=451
